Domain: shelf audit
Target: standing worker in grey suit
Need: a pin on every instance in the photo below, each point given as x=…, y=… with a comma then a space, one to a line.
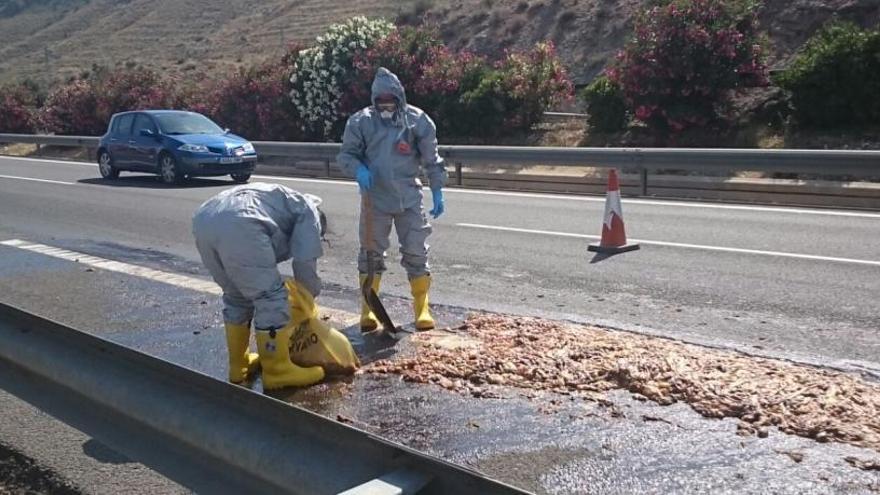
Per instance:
x=385, y=147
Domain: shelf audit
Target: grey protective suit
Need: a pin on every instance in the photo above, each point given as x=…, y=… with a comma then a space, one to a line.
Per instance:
x=394, y=150
x=243, y=233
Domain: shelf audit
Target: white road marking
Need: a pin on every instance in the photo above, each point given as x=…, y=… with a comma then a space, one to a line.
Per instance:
x=49, y=160
x=557, y=197
x=177, y=280
x=32, y=179
x=116, y=266
x=677, y=244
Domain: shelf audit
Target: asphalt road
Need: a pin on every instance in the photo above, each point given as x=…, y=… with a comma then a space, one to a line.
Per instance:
x=809, y=294
x=546, y=443
x=793, y=282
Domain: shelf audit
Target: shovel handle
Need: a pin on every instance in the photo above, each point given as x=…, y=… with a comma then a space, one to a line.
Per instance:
x=368, y=240
x=369, y=243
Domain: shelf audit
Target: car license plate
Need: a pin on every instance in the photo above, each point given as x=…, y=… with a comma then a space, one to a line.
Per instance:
x=230, y=159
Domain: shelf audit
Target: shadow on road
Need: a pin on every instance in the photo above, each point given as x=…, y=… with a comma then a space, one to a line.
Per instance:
x=600, y=257
x=372, y=346
x=153, y=182
x=102, y=453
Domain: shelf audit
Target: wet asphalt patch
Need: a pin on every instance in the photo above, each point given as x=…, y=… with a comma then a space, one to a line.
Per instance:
x=545, y=443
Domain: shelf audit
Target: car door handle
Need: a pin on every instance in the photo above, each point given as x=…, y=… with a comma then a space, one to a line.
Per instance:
x=132, y=142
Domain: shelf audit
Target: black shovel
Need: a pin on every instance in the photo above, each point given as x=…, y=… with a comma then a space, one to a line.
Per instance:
x=369, y=243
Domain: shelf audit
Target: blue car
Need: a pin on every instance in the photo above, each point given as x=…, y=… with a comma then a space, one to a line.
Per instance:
x=175, y=145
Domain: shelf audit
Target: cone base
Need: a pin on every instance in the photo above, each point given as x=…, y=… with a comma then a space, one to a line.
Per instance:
x=597, y=248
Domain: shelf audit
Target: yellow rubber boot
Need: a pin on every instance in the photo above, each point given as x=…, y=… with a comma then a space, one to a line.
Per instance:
x=420, y=286
x=278, y=371
x=242, y=363
x=369, y=322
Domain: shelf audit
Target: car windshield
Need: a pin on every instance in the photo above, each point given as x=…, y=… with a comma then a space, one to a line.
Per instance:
x=186, y=123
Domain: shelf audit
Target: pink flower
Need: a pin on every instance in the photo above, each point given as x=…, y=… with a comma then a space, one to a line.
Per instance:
x=643, y=113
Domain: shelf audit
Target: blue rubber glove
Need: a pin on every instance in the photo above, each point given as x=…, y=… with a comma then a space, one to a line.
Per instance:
x=439, y=207
x=364, y=177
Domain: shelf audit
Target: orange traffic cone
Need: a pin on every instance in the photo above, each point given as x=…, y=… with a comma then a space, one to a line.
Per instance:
x=613, y=234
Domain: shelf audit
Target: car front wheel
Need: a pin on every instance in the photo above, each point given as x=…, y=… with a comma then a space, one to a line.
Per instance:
x=105, y=165
x=168, y=171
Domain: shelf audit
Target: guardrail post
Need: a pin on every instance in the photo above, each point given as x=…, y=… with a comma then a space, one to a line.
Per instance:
x=327, y=168
x=458, y=178
x=39, y=149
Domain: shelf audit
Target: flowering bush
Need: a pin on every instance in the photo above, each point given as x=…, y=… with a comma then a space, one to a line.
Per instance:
x=418, y=57
x=18, y=105
x=605, y=105
x=323, y=72
x=308, y=93
x=685, y=57
x=464, y=94
x=835, y=80
x=255, y=104
x=71, y=109
x=535, y=80
x=516, y=92
x=452, y=116
x=196, y=95
x=84, y=105
x=131, y=89
x=430, y=73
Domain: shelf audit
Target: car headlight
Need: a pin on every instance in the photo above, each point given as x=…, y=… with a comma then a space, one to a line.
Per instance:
x=195, y=148
x=248, y=148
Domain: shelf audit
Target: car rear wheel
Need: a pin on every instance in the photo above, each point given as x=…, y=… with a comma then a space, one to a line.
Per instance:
x=241, y=177
x=168, y=172
x=105, y=165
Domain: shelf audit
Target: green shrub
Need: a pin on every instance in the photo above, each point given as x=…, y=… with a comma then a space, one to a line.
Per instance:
x=605, y=105
x=835, y=80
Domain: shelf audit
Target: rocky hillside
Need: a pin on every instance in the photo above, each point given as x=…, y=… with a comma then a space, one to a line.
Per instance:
x=589, y=32
x=51, y=39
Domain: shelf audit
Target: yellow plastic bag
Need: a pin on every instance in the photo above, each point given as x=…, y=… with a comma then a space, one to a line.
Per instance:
x=314, y=343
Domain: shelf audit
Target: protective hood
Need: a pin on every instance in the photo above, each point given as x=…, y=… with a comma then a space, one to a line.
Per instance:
x=387, y=82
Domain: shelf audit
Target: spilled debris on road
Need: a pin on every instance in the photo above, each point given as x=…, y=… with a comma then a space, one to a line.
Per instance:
x=490, y=351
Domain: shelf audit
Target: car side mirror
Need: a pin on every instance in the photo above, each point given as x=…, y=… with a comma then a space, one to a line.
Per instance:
x=226, y=131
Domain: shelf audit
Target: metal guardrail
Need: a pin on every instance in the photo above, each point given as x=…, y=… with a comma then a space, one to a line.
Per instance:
x=51, y=140
x=851, y=162
x=564, y=116
x=228, y=436
x=854, y=163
